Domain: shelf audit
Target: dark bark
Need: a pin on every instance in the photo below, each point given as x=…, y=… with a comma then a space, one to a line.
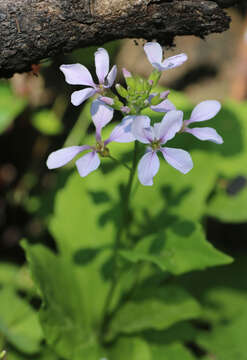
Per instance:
x=31, y=30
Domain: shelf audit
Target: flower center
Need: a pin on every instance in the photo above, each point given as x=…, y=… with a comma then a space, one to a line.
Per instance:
x=102, y=150
x=155, y=145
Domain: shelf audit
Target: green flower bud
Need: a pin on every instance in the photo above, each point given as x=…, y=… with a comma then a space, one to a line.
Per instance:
x=122, y=91
x=155, y=76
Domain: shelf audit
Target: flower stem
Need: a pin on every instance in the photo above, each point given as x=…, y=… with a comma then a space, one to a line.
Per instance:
x=119, y=162
x=119, y=233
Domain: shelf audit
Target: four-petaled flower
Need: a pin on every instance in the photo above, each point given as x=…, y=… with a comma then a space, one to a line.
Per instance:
x=204, y=111
x=154, y=54
x=156, y=136
x=77, y=74
x=101, y=116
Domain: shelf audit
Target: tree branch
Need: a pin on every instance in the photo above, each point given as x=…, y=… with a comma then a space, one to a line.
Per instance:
x=31, y=30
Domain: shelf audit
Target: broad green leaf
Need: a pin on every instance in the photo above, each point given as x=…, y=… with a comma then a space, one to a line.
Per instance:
x=179, y=249
x=229, y=208
x=227, y=341
x=19, y=322
x=45, y=354
x=47, y=122
x=131, y=348
x=221, y=291
x=173, y=351
x=83, y=240
x=10, y=106
x=154, y=308
x=15, y=276
x=66, y=323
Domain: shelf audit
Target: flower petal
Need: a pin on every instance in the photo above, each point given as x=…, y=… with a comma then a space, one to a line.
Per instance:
x=101, y=64
x=88, y=163
x=101, y=115
x=111, y=76
x=154, y=53
x=204, y=111
x=78, y=97
x=164, y=106
x=169, y=126
x=206, y=133
x=174, y=61
x=178, y=158
x=139, y=123
x=61, y=157
x=148, y=167
x=77, y=74
x=122, y=132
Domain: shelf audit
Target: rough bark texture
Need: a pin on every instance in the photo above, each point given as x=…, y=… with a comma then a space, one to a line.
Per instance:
x=31, y=30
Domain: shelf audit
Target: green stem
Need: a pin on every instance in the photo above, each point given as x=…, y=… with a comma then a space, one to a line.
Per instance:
x=122, y=227
x=119, y=162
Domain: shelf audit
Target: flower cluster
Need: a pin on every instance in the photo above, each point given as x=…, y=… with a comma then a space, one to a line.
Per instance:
x=134, y=126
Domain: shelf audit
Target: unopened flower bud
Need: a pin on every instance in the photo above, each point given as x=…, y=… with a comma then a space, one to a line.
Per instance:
x=122, y=91
x=107, y=100
x=126, y=73
x=164, y=94
x=125, y=109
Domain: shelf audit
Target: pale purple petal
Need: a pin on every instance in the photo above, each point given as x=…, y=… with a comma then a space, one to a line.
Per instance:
x=101, y=116
x=178, y=158
x=205, y=133
x=148, y=167
x=169, y=126
x=154, y=53
x=111, y=76
x=126, y=73
x=174, y=61
x=77, y=74
x=61, y=157
x=140, y=122
x=204, y=111
x=164, y=106
x=122, y=132
x=88, y=163
x=78, y=97
x=101, y=64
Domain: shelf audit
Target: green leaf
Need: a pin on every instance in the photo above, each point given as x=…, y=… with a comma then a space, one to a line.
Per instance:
x=154, y=308
x=65, y=321
x=229, y=208
x=218, y=289
x=130, y=348
x=78, y=232
x=179, y=249
x=173, y=351
x=10, y=106
x=14, y=276
x=47, y=122
x=19, y=323
x=227, y=341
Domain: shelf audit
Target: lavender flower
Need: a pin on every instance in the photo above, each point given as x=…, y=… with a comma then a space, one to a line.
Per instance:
x=77, y=74
x=154, y=54
x=156, y=136
x=204, y=111
x=101, y=116
x=165, y=105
